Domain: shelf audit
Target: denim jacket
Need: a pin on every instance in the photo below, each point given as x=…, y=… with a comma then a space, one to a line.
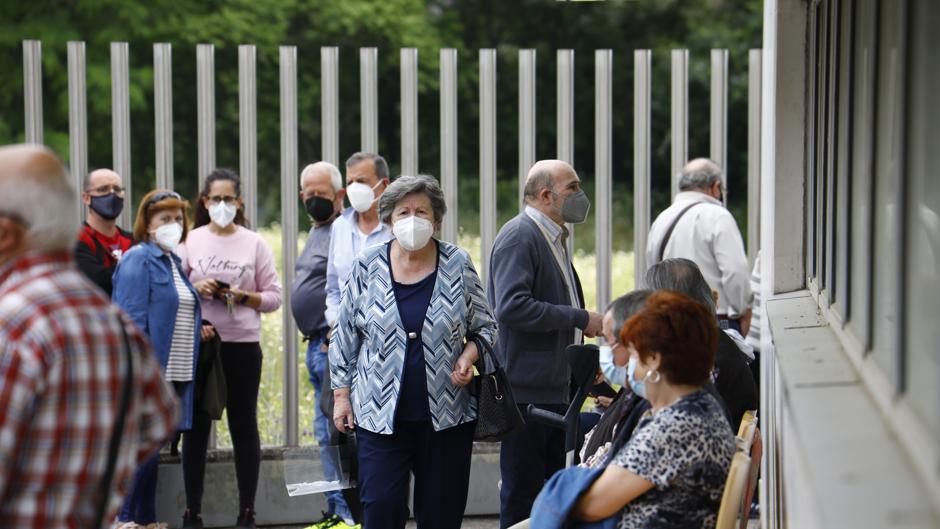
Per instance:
x=144, y=288
x=552, y=507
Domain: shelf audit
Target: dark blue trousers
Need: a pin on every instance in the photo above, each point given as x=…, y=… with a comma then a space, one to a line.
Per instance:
x=526, y=460
x=440, y=462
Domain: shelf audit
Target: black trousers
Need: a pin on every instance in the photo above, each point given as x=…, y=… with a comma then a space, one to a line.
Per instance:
x=241, y=363
x=440, y=462
x=526, y=460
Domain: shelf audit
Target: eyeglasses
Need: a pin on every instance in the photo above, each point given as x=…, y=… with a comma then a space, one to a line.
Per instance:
x=215, y=199
x=106, y=189
x=163, y=195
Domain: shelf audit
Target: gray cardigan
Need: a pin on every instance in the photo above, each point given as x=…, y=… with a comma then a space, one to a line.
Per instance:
x=533, y=309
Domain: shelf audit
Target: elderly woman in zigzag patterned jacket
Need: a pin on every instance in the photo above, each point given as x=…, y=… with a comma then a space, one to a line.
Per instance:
x=401, y=360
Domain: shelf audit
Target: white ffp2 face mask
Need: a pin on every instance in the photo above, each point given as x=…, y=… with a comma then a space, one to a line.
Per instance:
x=361, y=196
x=612, y=372
x=222, y=214
x=413, y=233
x=168, y=236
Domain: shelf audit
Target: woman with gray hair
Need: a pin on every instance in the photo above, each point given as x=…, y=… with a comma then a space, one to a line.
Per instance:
x=401, y=357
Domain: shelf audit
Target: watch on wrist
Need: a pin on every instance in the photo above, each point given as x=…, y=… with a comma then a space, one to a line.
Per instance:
x=244, y=299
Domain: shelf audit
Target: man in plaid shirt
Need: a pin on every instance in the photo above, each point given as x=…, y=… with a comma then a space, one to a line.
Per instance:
x=63, y=361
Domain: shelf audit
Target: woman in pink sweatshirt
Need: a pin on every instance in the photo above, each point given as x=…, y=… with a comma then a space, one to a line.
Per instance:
x=232, y=269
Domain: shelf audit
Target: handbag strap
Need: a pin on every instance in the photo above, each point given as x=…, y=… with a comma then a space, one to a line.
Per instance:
x=104, y=486
x=487, y=362
x=672, y=227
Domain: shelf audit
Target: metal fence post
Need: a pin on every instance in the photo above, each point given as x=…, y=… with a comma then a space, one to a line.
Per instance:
x=753, y=153
x=603, y=185
x=248, y=130
x=121, y=124
x=565, y=119
x=680, y=115
x=642, y=99
x=449, y=146
x=718, y=131
x=205, y=109
x=526, y=117
x=78, y=118
x=409, y=111
x=487, y=157
x=163, y=113
x=369, y=99
x=32, y=90
x=329, y=105
x=288, y=93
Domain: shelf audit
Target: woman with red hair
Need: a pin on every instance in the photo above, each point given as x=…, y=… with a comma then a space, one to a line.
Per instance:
x=672, y=471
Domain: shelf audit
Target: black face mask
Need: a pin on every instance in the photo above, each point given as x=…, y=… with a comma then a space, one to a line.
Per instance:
x=108, y=206
x=319, y=208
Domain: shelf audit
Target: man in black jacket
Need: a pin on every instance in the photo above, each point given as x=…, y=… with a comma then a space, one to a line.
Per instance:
x=733, y=378
x=101, y=243
x=536, y=296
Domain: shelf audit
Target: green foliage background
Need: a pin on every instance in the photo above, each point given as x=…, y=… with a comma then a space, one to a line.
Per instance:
x=469, y=25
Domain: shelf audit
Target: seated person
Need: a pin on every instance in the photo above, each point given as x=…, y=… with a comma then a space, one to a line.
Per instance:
x=672, y=471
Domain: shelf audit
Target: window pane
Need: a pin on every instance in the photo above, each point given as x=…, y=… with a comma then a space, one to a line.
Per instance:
x=887, y=215
x=923, y=220
x=862, y=134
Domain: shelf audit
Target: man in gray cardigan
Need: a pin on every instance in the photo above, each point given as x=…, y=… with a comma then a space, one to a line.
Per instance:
x=537, y=298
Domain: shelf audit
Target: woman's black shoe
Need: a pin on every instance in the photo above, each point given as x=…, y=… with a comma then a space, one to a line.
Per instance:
x=246, y=519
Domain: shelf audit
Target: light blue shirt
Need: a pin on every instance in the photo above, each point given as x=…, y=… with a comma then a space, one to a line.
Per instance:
x=345, y=245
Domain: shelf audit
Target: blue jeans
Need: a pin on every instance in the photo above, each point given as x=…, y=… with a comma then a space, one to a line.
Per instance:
x=316, y=367
x=140, y=505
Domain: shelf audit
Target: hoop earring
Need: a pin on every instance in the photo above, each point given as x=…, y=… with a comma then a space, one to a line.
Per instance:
x=650, y=373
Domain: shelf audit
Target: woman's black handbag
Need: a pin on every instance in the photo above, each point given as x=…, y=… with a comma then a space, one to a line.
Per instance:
x=498, y=417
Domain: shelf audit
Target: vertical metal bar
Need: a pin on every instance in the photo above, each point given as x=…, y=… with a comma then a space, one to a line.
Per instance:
x=565, y=118
x=565, y=113
x=121, y=124
x=329, y=104
x=603, y=146
x=248, y=130
x=526, y=117
x=409, y=111
x=288, y=62
x=163, y=113
x=680, y=115
x=718, y=148
x=205, y=109
x=449, y=142
x=32, y=89
x=369, y=99
x=753, y=153
x=78, y=118
x=642, y=103
x=487, y=157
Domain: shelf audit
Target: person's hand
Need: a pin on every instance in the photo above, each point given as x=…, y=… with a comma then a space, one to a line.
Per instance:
x=599, y=377
x=746, y=322
x=463, y=367
x=595, y=324
x=324, y=348
x=342, y=411
x=603, y=402
x=205, y=334
x=206, y=287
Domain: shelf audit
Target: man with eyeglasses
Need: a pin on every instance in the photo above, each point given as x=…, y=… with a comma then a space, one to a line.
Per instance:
x=101, y=243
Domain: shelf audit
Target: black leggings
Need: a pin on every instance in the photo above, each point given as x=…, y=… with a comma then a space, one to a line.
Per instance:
x=241, y=362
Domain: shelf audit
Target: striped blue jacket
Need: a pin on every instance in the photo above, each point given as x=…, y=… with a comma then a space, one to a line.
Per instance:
x=367, y=350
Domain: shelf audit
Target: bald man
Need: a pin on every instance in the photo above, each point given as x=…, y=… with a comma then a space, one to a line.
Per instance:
x=101, y=243
x=64, y=351
x=537, y=299
x=698, y=227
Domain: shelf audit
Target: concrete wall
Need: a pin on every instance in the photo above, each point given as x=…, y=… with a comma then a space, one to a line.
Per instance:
x=274, y=506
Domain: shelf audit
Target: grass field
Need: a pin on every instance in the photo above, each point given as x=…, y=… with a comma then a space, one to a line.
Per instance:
x=270, y=399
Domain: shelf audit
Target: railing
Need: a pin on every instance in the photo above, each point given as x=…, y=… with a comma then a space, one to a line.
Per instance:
x=368, y=57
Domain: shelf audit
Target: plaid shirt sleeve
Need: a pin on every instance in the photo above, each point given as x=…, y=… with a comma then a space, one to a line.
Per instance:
x=158, y=407
x=20, y=376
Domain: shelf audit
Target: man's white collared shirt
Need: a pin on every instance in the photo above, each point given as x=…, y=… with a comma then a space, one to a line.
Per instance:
x=707, y=235
x=346, y=243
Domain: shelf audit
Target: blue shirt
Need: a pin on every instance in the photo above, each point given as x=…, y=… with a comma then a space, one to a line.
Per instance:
x=413, y=300
x=345, y=245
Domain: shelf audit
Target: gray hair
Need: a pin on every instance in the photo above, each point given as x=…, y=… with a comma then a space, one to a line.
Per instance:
x=537, y=181
x=50, y=212
x=627, y=305
x=699, y=174
x=336, y=178
x=407, y=185
x=381, y=166
x=683, y=276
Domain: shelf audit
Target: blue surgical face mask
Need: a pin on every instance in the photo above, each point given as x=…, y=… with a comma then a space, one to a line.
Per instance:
x=612, y=372
x=638, y=386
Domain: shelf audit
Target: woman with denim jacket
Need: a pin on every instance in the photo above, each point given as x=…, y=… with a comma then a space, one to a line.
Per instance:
x=150, y=287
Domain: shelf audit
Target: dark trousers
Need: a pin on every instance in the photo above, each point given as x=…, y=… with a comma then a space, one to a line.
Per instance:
x=440, y=462
x=526, y=460
x=241, y=363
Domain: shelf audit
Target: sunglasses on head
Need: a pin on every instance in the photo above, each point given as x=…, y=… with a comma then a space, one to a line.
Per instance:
x=163, y=195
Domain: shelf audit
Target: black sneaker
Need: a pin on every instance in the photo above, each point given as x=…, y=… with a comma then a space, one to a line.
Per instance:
x=191, y=521
x=246, y=519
